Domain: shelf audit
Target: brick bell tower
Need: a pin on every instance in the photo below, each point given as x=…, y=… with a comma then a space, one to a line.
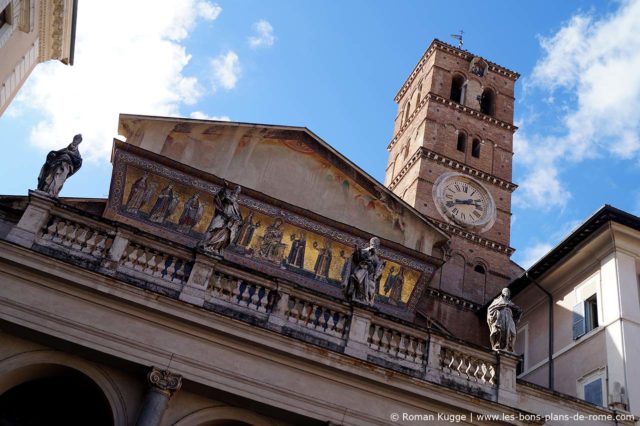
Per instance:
x=450, y=158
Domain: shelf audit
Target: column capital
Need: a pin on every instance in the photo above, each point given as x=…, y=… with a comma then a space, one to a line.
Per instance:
x=164, y=381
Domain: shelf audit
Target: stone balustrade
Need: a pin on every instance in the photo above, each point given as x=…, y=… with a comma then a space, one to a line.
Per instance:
x=219, y=287
x=397, y=344
x=468, y=366
x=155, y=263
x=315, y=316
x=253, y=296
x=77, y=237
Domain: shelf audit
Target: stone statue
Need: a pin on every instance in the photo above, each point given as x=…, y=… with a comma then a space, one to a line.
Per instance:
x=226, y=221
x=165, y=205
x=59, y=166
x=502, y=317
x=191, y=214
x=140, y=194
x=363, y=274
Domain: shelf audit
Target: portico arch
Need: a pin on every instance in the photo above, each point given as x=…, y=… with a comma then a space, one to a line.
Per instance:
x=224, y=416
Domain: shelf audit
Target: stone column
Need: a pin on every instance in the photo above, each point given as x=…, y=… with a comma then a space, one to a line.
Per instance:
x=33, y=219
x=163, y=384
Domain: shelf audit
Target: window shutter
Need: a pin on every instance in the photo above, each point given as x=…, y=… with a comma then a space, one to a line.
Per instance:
x=578, y=320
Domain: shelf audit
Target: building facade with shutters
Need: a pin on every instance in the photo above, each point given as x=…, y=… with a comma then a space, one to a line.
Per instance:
x=586, y=344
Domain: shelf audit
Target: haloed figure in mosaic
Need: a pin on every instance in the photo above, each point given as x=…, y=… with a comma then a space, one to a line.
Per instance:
x=191, y=214
x=226, y=221
x=502, y=317
x=59, y=166
x=363, y=275
x=140, y=194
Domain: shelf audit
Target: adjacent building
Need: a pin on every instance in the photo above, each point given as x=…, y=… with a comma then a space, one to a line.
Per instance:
x=31, y=32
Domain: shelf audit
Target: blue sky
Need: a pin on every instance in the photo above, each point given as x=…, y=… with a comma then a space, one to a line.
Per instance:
x=335, y=67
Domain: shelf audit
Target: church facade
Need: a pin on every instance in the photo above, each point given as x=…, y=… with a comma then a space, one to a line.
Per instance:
x=251, y=274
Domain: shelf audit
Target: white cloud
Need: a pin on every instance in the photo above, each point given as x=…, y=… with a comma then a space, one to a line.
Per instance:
x=199, y=115
x=532, y=254
x=208, y=11
x=264, y=35
x=226, y=70
x=594, y=63
x=136, y=68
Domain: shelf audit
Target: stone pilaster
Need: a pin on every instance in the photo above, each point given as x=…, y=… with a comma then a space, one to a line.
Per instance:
x=357, y=344
x=507, y=363
x=163, y=384
x=33, y=219
x=194, y=290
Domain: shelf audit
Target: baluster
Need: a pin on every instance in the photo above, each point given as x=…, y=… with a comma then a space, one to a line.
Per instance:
x=385, y=340
x=61, y=227
x=50, y=230
x=131, y=257
x=170, y=268
x=264, y=299
x=492, y=375
x=342, y=320
x=102, y=244
x=394, y=343
x=420, y=351
x=236, y=288
x=216, y=287
x=150, y=264
x=141, y=261
x=178, y=276
x=78, y=242
x=255, y=297
x=160, y=261
x=70, y=235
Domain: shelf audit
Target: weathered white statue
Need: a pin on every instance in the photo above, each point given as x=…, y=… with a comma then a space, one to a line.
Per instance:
x=59, y=166
x=502, y=317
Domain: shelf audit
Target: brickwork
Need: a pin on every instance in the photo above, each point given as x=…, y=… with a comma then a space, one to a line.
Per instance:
x=435, y=132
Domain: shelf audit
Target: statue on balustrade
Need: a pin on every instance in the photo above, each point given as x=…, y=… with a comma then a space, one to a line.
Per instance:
x=191, y=214
x=140, y=194
x=362, y=277
x=165, y=205
x=502, y=317
x=226, y=221
x=59, y=166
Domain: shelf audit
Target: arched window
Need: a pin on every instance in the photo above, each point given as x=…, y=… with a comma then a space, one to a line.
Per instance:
x=480, y=269
x=462, y=142
x=475, y=148
x=457, y=89
x=419, y=93
x=487, y=102
x=407, y=111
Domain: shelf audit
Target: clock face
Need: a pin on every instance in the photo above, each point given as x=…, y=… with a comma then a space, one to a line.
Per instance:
x=464, y=201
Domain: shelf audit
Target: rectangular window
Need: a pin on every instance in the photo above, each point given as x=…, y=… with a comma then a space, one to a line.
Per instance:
x=585, y=317
x=593, y=391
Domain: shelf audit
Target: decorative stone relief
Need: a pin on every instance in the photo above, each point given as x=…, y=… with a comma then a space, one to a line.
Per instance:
x=165, y=381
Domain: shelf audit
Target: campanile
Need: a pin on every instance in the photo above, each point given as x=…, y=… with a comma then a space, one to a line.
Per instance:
x=451, y=158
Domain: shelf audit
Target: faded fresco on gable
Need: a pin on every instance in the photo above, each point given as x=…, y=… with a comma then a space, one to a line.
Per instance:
x=282, y=165
x=170, y=205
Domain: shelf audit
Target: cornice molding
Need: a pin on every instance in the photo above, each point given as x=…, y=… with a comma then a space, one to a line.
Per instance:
x=55, y=22
x=470, y=236
x=423, y=152
x=450, y=299
x=445, y=47
x=455, y=106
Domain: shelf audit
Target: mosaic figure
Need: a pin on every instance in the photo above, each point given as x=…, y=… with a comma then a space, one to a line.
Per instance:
x=393, y=285
x=165, y=205
x=245, y=235
x=59, y=166
x=323, y=261
x=191, y=214
x=270, y=244
x=363, y=276
x=296, y=254
x=226, y=221
x=140, y=194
